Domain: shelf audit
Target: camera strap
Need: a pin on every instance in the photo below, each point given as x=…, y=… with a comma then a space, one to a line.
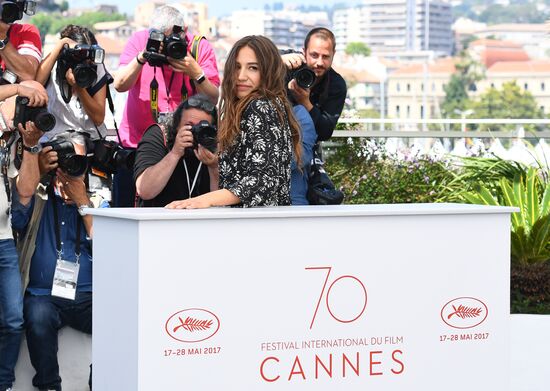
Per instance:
x=5, y=163
x=189, y=186
x=154, y=95
x=58, y=231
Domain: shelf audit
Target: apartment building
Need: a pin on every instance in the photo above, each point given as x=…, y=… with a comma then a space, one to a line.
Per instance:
x=286, y=28
x=388, y=26
x=532, y=76
x=416, y=90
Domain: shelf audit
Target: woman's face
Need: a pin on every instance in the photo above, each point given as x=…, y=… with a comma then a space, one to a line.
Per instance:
x=247, y=72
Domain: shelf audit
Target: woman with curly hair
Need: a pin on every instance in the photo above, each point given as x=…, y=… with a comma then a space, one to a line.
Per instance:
x=257, y=133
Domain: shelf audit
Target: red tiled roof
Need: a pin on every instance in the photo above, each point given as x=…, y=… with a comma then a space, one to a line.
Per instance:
x=445, y=65
x=491, y=56
x=110, y=45
x=538, y=66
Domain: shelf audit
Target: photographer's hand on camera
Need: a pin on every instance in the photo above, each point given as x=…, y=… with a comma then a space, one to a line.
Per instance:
x=47, y=160
x=293, y=60
x=183, y=140
x=30, y=134
x=300, y=95
x=36, y=97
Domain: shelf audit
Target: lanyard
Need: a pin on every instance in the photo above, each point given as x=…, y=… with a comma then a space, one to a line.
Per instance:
x=154, y=91
x=194, y=180
x=58, y=231
x=5, y=163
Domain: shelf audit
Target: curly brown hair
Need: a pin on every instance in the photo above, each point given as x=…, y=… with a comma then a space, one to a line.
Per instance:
x=272, y=86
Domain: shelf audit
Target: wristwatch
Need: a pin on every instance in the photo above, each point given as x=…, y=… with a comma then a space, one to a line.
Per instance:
x=4, y=42
x=34, y=149
x=81, y=208
x=201, y=78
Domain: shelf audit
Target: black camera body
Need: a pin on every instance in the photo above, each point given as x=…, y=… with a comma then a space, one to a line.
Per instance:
x=206, y=135
x=67, y=158
x=159, y=46
x=13, y=10
x=103, y=155
x=44, y=120
x=305, y=77
x=109, y=156
x=83, y=60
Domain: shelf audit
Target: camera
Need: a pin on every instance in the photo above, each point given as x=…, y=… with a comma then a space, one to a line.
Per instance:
x=109, y=156
x=205, y=135
x=67, y=158
x=305, y=77
x=13, y=10
x=173, y=46
x=44, y=120
x=83, y=60
x=103, y=155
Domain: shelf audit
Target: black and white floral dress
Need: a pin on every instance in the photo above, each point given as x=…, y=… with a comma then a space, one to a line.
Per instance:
x=256, y=168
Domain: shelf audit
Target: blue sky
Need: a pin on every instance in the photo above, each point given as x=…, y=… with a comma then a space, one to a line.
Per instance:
x=215, y=7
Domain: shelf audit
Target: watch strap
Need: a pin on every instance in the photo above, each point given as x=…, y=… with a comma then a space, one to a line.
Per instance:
x=34, y=149
x=201, y=78
x=5, y=41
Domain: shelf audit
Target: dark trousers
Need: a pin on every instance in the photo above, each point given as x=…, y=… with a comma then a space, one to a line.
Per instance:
x=124, y=189
x=44, y=317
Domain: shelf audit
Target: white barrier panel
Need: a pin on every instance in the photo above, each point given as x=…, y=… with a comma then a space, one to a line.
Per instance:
x=384, y=297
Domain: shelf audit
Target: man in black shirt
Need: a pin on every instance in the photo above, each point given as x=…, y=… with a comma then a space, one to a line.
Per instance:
x=168, y=166
x=317, y=108
x=325, y=99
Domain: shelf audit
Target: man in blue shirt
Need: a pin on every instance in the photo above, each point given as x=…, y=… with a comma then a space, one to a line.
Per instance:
x=59, y=291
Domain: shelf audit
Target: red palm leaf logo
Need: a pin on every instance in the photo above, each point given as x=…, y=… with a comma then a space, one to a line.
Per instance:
x=465, y=312
x=192, y=324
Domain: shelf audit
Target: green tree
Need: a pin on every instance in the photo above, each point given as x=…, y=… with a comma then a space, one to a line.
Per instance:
x=357, y=48
x=54, y=22
x=464, y=80
x=508, y=102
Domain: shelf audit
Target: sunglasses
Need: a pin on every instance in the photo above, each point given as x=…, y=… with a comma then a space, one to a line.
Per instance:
x=201, y=104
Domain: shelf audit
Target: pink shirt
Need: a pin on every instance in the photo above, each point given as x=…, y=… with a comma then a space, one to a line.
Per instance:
x=137, y=115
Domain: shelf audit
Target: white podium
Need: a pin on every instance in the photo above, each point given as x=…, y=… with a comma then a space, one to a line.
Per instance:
x=378, y=297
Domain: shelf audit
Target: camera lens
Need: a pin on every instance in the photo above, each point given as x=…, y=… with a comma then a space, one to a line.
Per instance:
x=85, y=75
x=305, y=77
x=44, y=121
x=10, y=12
x=124, y=159
x=176, y=50
x=75, y=165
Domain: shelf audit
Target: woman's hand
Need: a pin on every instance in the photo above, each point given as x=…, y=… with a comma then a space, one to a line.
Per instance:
x=199, y=202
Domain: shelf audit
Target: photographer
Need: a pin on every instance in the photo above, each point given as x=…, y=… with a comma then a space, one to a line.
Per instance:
x=20, y=44
x=165, y=159
x=318, y=107
x=325, y=99
x=59, y=290
x=76, y=102
x=171, y=83
x=25, y=180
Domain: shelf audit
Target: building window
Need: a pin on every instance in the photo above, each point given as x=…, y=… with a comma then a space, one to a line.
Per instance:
x=398, y=88
x=408, y=87
x=397, y=111
x=542, y=109
x=525, y=86
x=542, y=86
x=421, y=86
x=492, y=85
x=421, y=111
x=433, y=86
x=408, y=111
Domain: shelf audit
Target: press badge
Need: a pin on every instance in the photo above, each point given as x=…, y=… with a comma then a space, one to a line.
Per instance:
x=65, y=279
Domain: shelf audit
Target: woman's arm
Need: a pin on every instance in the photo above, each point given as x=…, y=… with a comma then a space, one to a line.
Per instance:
x=220, y=197
x=93, y=105
x=46, y=66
